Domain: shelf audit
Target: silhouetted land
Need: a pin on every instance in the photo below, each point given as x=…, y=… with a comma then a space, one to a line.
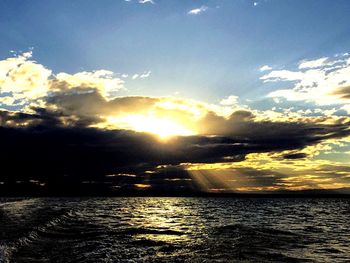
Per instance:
x=25, y=189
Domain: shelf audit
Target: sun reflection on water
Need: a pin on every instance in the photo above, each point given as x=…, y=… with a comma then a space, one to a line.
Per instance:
x=161, y=219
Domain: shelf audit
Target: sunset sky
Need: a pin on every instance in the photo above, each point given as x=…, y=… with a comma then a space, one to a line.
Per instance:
x=214, y=96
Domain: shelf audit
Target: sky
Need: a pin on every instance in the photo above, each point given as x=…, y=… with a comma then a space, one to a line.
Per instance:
x=140, y=95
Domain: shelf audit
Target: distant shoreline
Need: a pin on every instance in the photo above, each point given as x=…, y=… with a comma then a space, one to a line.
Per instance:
x=194, y=195
x=103, y=192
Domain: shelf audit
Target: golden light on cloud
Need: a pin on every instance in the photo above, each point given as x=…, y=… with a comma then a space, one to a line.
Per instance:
x=143, y=186
x=162, y=127
x=268, y=172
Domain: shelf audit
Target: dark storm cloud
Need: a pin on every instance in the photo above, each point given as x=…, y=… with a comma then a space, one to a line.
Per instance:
x=47, y=136
x=57, y=148
x=241, y=124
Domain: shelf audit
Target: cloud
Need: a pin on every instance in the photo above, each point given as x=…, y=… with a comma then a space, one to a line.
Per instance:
x=346, y=108
x=196, y=117
x=145, y=74
x=24, y=82
x=265, y=68
x=88, y=133
x=102, y=80
x=314, y=63
x=230, y=100
x=323, y=81
x=266, y=172
x=240, y=134
x=342, y=92
x=24, y=79
x=282, y=75
x=146, y=1
x=80, y=154
x=295, y=156
x=197, y=11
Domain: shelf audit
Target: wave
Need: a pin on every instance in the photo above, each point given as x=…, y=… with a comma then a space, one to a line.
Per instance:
x=114, y=230
x=145, y=231
x=256, y=244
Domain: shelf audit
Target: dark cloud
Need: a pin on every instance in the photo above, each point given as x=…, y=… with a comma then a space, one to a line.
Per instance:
x=57, y=149
x=45, y=117
x=89, y=102
x=295, y=156
x=343, y=92
x=272, y=135
x=250, y=177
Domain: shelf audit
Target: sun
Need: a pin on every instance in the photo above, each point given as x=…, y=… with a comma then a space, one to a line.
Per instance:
x=164, y=128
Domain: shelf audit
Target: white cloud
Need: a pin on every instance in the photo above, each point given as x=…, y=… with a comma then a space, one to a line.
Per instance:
x=102, y=80
x=305, y=64
x=282, y=75
x=145, y=74
x=28, y=82
x=229, y=101
x=265, y=68
x=146, y=1
x=23, y=78
x=197, y=11
x=324, y=81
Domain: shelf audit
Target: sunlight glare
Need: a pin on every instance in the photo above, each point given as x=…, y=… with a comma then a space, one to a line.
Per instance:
x=164, y=128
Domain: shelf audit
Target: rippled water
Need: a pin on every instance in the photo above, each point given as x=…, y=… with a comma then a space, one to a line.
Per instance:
x=174, y=230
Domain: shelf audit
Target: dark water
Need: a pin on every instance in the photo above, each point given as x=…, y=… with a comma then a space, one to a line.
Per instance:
x=174, y=230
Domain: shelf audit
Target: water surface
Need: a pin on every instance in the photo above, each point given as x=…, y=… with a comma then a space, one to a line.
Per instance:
x=174, y=230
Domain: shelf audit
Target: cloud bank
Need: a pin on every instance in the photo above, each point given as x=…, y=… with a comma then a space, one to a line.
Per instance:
x=73, y=130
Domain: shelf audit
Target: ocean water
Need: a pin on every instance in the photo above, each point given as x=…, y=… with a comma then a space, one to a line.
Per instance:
x=174, y=230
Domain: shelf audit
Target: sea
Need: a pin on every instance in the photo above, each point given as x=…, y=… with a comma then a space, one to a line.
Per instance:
x=172, y=229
